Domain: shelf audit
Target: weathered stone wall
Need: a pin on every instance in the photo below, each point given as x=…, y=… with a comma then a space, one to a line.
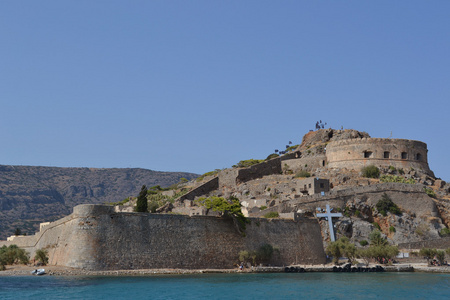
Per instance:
x=357, y=153
x=306, y=163
x=201, y=190
x=407, y=196
x=443, y=243
x=95, y=237
x=272, y=166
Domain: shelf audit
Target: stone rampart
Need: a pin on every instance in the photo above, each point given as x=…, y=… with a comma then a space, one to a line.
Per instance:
x=201, y=190
x=94, y=237
x=357, y=153
x=406, y=196
x=269, y=167
x=443, y=243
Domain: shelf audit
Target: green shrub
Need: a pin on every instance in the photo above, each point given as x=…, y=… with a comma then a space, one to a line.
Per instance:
x=376, y=239
x=263, y=207
x=201, y=177
x=392, y=168
x=247, y=163
x=291, y=148
x=41, y=256
x=385, y=205
x=272, y=214
x=302, y=173
x=430, y=192
x=357, y=213
x=391, y=229
x=376, y=225
x=363, y=243
x=401, y=171
x=445, y=231
x=395, y=178
x=370, y=171
x=273, y=155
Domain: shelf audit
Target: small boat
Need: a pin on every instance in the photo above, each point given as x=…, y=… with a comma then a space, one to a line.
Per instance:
x=38, y=272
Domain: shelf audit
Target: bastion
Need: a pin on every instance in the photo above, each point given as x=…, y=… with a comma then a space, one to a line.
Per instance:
x=96, y=237
x=357, y=153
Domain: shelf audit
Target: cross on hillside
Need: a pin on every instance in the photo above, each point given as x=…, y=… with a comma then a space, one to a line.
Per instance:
x=329, y=215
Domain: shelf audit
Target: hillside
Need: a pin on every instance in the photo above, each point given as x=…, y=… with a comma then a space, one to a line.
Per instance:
x=30, y=195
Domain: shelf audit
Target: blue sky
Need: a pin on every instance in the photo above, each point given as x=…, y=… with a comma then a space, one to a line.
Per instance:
x=199, y=85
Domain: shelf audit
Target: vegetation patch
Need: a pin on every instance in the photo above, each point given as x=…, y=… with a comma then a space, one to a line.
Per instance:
x=395, y=178
x=386, y=205
x=228, y=208
x=430, y=192
x=12, y=255
x=247, y=163
x=212, y=173
x=272, y=214
x=302, y=174
x=370, y=171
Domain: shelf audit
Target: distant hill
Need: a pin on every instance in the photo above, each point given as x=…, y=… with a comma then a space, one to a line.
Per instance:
x=31, y=195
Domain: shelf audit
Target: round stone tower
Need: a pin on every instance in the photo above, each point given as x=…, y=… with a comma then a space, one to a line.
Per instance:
x=357, y=153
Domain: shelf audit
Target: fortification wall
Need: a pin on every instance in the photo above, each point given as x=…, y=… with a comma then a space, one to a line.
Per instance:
x=269, y=167
x=201, y=190
x=406, y=196
x=442, y=243
x=357, y=153
x=95, y=237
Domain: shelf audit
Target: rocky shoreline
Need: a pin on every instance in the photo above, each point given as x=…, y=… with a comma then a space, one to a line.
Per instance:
x=65, y=271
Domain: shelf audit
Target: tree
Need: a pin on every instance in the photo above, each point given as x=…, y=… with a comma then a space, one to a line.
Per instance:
x=341, y=247
x=11, y=255
x=18, y=232
x=227, y=208
x=41, y=256
x=376, y=239
x=428, y=253
x=141, y=203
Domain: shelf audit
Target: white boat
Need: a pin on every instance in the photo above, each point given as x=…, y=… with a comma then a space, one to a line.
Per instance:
x=38, y=272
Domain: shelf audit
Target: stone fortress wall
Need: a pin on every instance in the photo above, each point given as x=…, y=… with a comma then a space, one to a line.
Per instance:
x=95, y=237
x=357, y=153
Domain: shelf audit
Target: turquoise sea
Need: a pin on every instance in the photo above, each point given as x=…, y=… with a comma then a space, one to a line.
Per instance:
x=232, y=286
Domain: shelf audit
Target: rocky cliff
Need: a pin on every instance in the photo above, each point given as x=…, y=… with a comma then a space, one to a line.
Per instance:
x=31, y=195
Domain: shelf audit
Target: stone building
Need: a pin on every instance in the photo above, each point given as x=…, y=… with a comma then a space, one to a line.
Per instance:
x=357, y=153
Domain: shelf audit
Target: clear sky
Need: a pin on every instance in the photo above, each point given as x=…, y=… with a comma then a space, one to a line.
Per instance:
x=200, y=85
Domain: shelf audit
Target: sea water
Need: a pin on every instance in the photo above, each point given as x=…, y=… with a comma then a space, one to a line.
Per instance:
x=231, y=286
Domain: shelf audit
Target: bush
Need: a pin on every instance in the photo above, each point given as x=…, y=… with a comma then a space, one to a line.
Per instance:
x=41, y=256
x=363, y=243
x=273, y=155
x=391, y=229
x=445, y=232
x=376, y=239
x=247, y=163
x=357, y=213
x=430, y=192
x=395, y=178
x=376, y=225
x=303, y=173
x=385, y=205
x=272, y=214
x=201, y=177
x=263, y=207
x=370, y=171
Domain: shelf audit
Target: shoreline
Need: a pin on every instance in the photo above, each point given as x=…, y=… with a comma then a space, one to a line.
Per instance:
x=20, y=270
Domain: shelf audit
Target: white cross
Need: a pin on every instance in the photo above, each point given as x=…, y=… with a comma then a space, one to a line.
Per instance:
x=329, y=215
